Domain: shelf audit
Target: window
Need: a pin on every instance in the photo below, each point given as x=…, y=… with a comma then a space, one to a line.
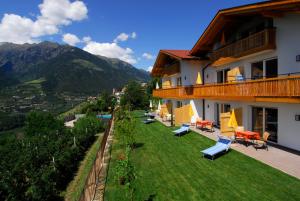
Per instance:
x=179, y=82
x=179, y=104
x=226, y=108
x=257, y=70
x=264, y=69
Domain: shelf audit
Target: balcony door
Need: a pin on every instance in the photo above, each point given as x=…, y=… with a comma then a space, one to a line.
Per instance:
x=271, y=68
x=222, y=75
x=264, y=69
x=265, y=119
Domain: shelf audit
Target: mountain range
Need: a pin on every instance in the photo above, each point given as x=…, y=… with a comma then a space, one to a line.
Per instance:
x=53, y=77
x=64, y=68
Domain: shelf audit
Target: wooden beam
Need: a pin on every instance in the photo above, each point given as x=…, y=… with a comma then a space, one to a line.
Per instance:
x=278, y=100
x=272, y=14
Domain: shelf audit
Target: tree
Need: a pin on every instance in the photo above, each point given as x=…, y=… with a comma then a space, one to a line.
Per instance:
x=135, y=96
x=106, y=102
x=42, y=123
x=152, y=85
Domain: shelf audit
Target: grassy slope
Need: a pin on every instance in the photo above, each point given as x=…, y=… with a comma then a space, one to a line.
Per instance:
x=171, y=168
x=76, y=186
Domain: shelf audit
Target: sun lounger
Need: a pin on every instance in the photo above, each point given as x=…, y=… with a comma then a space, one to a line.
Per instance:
x=222, y=145
x=183, y=129
x=148, y=121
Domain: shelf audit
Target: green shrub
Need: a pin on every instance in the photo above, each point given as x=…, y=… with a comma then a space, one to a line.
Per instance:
x=85, y=129
x=125, y=128
x=124, y=170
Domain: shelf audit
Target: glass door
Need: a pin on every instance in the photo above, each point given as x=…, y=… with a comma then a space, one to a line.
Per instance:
x=265, y=119
x=220, y=77
x=257, y=119
x=271, y=123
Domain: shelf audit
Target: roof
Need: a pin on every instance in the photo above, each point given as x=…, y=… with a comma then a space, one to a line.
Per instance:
x=223, y=17
x=179, y=54
x=167, y=57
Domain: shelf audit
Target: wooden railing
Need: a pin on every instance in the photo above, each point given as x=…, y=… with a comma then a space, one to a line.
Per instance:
x=173, y=92
x=256, y=42
x=285, y=87
x=88, y=193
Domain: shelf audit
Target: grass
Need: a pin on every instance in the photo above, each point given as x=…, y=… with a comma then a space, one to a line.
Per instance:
x=37, y=81
x=75, y=110
x=76, y=186
x=172, y=168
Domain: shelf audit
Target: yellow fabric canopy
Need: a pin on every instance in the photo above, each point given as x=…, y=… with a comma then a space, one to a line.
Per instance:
x=232, y=121
x=199, y=79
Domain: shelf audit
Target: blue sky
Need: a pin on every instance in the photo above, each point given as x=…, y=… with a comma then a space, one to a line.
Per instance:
x=147, y=26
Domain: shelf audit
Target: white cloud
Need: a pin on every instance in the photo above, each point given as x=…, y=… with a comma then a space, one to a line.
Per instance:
x=112, y=50
x=133, y=35
x=71, y=39
x=121, y=37
x=124, y=37
x=147, y=56
x=53, y=15
x=149, y=69
x=86, y=39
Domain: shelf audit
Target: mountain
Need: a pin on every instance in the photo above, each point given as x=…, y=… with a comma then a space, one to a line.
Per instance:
x=64, y=68
x=53, y=77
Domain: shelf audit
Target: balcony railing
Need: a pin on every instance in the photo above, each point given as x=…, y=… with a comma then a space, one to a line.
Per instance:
x=280, y=87
x=254, y=43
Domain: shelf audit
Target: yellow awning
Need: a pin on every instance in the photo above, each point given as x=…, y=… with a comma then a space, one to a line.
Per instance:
x=232, y=121
x=199, y=79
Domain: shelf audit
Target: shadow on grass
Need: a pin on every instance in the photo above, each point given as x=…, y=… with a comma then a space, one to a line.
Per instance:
x=216, y=156
x=181, y=134
x=151, y=197
x=137, y=145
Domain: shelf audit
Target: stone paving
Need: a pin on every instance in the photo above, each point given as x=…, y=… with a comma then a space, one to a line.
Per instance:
x=278, y=158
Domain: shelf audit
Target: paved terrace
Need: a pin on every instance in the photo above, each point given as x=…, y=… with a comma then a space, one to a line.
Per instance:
x=277, y=158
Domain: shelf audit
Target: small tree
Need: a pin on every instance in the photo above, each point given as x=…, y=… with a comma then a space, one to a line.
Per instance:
x=135, y=96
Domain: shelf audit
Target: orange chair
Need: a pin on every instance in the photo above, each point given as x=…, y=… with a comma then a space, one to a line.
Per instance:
x=262, y=143
x=210, y=126
x=238, y=137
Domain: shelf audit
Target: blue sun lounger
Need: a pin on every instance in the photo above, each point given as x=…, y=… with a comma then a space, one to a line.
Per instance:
x=148, y=121
x=223, y=145
x=183, y=129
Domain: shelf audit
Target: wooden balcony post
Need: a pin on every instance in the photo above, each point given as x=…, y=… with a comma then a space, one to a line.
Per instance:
x=172, y=120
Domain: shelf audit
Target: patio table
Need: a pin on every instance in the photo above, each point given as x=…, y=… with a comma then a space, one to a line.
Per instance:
x=248, y=135
x=203, y=123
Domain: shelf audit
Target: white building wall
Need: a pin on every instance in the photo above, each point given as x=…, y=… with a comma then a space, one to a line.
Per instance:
x=288, y=128
x=288, y=43
x=210, y=110
x=189, y=71
x=197, y=107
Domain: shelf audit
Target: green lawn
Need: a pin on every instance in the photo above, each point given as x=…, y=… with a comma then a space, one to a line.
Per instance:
x=172, y=168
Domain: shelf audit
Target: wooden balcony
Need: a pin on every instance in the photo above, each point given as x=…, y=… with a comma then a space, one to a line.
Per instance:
x=257, y=42
x=280, y=89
